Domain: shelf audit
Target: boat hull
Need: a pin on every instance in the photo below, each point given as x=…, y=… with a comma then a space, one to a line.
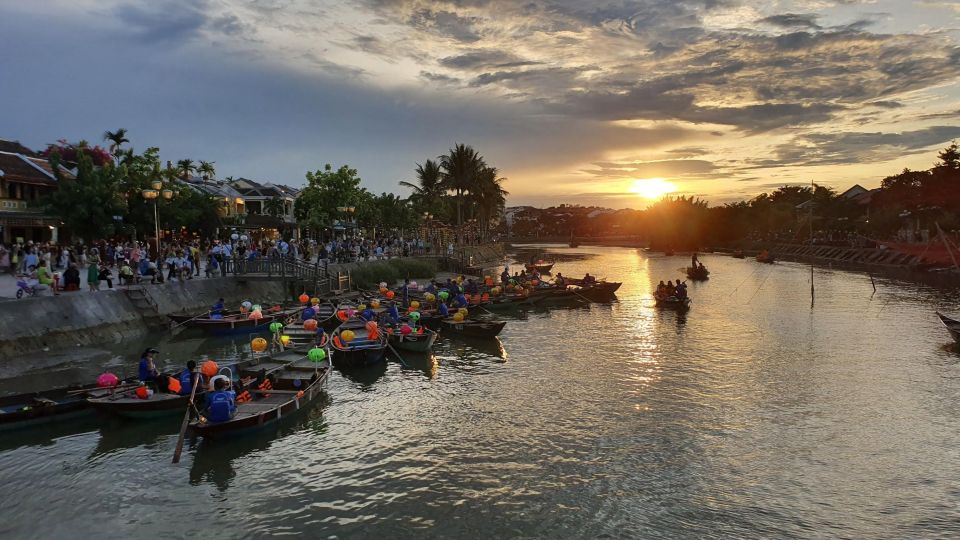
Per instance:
x=414, y=342
x=472, y=328
x=127, y=405
x=952, y=325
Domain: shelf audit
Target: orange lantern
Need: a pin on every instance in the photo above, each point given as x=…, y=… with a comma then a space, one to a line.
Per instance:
x=210, y=368
x=310, y=324
x=390, y=295
x=258, y=345
x=304, y=298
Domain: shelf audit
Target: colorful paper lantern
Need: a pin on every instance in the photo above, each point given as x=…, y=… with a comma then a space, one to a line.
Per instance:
x=285, y=339
x=107, y=380
x=304, y=298
x=317, y=355
x=390, y=295
x=310, y=324
x=210, y=368
x=405, y=330
x=415, y=304
x=258, y=345
x=415, y=316
x=347, y=335
x=315, y=301
x=276, y=327
x=255, y=315
x=458, y=316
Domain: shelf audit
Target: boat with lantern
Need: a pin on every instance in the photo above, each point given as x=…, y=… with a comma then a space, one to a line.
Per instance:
x=419, y=340
x=243, y=322
x=472, y=328
x=356, y=345
x=48, y=406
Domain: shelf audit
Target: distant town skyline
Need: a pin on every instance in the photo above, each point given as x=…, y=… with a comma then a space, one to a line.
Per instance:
x=604, y=103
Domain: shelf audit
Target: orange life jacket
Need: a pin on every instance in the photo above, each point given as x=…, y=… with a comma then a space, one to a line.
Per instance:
x=244, y=397
x=265, y=385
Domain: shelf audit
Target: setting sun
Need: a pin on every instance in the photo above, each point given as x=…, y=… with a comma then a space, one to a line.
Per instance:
x=652, y=188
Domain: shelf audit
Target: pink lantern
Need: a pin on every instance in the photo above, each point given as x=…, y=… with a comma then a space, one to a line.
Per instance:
x=405, y=330
x=107, y=380
x=256, y=315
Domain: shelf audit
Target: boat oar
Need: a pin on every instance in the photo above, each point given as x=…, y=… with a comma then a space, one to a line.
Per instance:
x=394, y=351
x=186, y=417
x=179, y=324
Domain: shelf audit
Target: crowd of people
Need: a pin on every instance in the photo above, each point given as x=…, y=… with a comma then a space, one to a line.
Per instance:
x=61, y=266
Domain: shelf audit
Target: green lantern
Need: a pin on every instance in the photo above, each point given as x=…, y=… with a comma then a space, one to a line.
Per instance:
x=276, y=327
x=317, y=355
x=415, y=316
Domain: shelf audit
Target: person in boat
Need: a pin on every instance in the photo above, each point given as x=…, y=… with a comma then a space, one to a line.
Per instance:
x=368, y=314
x=443, y=310
x=217, y=308
x=559, y=281
x=681, y=289
x=147, y=369
x=700, y=266
x=432, y=287
x=661, y=288
x=694, y=260
x=471, y=287
x=505, y=276
x=588, y=279
x=405, y=292
x=222, y=403
x=671, y=290
x=461, y=300
x=186, y=378
x=393, y=313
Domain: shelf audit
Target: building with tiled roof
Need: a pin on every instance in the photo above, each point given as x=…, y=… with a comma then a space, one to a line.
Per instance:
x=24, y=181
x=269, y=207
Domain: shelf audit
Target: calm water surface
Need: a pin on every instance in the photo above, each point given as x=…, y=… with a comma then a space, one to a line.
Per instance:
x=751, y=416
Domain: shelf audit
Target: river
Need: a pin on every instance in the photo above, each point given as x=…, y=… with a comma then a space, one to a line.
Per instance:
x=753, y=415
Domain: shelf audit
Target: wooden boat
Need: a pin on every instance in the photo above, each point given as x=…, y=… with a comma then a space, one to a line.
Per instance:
x=599, y=291
x=414, y=341
x=48, y=406
x=953, y=326
x=672, y=302
x=301, y=338
x=574, y=244
x=361, y=350
x=240, y=323
x=327, y=316
x=472, y=328
x=765, y=257
x=268, y=408
x=128, y=405
x=738, y=254
x=179, y=318
x=540, y=266
x=699, y=273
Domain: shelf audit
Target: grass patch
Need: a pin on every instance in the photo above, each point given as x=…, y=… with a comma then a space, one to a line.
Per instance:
x=369, y=274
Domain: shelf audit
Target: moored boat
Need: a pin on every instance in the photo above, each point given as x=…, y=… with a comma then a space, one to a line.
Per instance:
x=241, y=323
x=540, y=266
x=472, y=328
x=765, y=257
x=738, y=254
x=128, y=405
x=48, y=406
x=414, y=341
x=362, y=350
x=599, y=291
x=953, y=326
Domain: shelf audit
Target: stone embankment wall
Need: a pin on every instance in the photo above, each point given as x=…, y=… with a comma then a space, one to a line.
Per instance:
x=84, y=318
x=846, y=255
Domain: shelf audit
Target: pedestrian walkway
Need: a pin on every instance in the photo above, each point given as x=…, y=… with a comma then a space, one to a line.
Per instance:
x=8, y=285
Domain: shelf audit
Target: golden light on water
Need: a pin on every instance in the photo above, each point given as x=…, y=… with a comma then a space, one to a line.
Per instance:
x=652, y=188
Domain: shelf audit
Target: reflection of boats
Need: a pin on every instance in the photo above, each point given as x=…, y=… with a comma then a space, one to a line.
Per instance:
x=361, y=350
x=698, y=273
x=672, y=302
x=268, y=407
x=953, y=326
x=472, y=328
x=118, y=435
x=414, y=341
x=738, y=254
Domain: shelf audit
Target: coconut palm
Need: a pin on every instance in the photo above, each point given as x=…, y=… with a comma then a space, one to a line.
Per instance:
x=117, y=139
x=489, y=196
x=429, y=187
x=460, y=169
x=185, y=167
x=207, y=169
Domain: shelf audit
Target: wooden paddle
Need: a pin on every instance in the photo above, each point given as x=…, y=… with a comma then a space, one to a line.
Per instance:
x=178, y=325
x=400, y=358
x=186, y=418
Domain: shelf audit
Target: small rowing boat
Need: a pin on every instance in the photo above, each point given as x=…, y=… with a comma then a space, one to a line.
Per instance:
x=414, y=341
x=698, y=273
x=269, y=406
x=360, y=351
x=672, y=302
x=472, y=328
x=765, y=257
x=953, y=326
x=128, y=405
x=241, y=323
x=48, y=406
x=738, y=254
x=540, y=266
x=599, y=291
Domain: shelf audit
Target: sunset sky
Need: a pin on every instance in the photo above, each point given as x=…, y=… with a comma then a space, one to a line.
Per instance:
x=573, y=100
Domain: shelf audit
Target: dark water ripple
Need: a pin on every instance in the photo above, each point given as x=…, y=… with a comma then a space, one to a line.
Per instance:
x=752, y=416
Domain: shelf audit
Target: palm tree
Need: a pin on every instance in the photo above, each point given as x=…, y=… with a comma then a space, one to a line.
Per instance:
x=489, y=196
x=429, y=187
x=207, y=169
x=117, y=139
x=460, y=169
x=185, y=167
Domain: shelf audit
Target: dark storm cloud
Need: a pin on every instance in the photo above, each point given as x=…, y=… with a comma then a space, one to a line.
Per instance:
x=792, y=20
x=483, y=59
x=447, y=24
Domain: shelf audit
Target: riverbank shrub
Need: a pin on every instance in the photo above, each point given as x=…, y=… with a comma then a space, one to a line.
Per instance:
x=368, y=275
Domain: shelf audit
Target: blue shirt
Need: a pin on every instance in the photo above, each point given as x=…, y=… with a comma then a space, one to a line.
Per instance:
x=461, y=300
x=222, y=405
x=394, y=314
x=442, y=308
x=186, y=382
x=146, y=374
x=308, y=313
x=217, y=308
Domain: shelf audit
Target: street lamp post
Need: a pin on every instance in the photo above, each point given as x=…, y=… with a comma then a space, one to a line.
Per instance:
x=152, y=195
